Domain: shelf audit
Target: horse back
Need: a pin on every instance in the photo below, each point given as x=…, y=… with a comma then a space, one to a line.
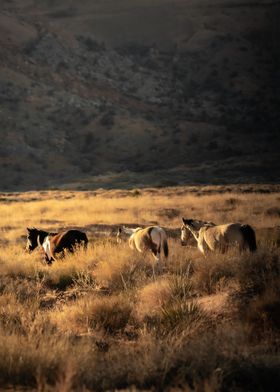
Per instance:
x=67, y=240
x=143, y=240
x=158, y=238
x=221, y=235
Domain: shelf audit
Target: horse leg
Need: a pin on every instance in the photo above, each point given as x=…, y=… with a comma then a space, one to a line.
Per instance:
x=224, y=248
x=52, y=256
x=241, y=246
x=48, y=261
x=154, y=274
x=157, y=267
x=201, y=247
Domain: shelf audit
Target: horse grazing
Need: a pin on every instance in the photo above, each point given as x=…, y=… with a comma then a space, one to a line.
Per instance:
x=151, y=238
x=53, y=243
x=211, y=237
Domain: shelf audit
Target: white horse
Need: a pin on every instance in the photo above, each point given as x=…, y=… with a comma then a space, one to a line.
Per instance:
x=211, y=237
x=152, y=238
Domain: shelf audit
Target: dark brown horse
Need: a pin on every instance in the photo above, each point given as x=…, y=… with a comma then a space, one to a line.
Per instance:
x=53, y=243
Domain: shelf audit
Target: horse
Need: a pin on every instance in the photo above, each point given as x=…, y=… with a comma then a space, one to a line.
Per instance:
x=212, y=237
x=53, y=243
x=152, y=238
x=186, y=234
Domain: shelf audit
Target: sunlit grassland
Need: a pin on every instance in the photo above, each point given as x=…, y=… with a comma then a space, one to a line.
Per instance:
x=99, y=320
x=145, y=206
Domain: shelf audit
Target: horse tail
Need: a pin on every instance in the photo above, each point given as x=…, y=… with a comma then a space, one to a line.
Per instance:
x=164, y=244
x=249, y=237
x=165, y=247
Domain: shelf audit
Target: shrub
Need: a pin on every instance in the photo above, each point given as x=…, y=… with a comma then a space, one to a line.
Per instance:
x=214, y=273
x=121, y=269
x=258, y=298
x=107, y=120
x=107, y=314
x=61, y=281
x=232, y=201
x=273, y=211
x=178, y=316
x=135, y=193
x=110, y=314
x=169, y=213
x=152, y=297
x=258, y=272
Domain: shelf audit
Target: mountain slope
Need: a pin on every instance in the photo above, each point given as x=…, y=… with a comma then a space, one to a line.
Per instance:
x=134, y=93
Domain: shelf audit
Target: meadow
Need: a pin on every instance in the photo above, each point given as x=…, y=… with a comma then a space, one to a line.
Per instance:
x=99, y=320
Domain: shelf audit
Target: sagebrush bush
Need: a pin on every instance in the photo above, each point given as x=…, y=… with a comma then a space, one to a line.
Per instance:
x=120, y=268
x=214, y=273
x=111, y=314
x=258, y=272
x=152, y=297
x=258, y=298
x=108, y=314
x=178, y=316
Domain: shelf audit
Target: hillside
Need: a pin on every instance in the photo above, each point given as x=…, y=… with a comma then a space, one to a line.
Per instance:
x=100, y=320
x=131, y=93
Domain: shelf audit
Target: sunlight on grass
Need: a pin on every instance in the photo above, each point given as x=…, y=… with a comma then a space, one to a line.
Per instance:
x=98, y=319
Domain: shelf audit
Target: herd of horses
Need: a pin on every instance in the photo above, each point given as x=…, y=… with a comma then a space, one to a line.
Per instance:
x=209, y=237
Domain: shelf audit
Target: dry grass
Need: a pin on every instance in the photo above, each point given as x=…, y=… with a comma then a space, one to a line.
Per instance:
x=98, y=320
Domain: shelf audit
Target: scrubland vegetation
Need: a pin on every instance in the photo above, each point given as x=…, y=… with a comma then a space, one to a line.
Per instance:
x=98, y=320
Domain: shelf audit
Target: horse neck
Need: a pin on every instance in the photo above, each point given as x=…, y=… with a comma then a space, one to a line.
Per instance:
x=131, y=242
x=194, y=233
x=41, y=236
x=130, y=231
x=201, y=224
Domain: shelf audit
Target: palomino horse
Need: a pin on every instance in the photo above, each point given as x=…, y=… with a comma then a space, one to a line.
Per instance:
x=211, y=237
x=54, y=243
x=151, y=238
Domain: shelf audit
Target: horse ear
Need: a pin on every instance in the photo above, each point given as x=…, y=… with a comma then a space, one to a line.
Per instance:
x=184, y=220
x=28, y=229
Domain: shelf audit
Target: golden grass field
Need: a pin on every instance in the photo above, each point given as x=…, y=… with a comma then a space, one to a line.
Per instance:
x=98, y=320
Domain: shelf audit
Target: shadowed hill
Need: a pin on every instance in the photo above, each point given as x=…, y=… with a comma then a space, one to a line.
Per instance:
x=137, y=93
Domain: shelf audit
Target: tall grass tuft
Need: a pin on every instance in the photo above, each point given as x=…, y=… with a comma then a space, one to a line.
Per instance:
x=214, y=273
x=87, y=315
x=120, y=268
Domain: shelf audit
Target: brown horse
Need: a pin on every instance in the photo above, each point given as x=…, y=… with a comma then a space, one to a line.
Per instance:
x=211, y=237
x=53, y=243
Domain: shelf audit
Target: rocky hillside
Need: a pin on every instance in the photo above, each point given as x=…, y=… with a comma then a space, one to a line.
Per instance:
x=128, y=93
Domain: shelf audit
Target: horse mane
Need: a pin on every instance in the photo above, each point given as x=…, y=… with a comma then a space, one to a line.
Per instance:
x=204, y=223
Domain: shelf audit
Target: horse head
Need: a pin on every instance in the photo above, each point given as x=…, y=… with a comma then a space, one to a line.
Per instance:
x=192, y=226
x=124, y=232
x=35, y=238
x=32, y=239
x=185, y=232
